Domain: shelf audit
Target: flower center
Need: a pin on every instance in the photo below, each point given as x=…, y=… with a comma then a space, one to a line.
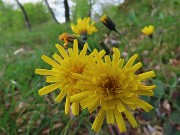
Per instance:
x=78, y=69
x=109, y=87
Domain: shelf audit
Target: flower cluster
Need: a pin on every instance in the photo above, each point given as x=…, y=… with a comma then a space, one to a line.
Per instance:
x=61, y=74
x=96, y=81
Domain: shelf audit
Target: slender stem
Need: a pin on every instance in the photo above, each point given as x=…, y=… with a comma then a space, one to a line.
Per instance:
x=166, y=80
x=129, y=51
x=159, y=55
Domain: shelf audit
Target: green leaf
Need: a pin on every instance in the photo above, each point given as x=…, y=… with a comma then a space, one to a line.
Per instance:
x=175, y=117
x=149, y=115
x=161, y=15
x=173, y=81
x=167, y=128
x=177, y=101
x=132, y=17
x=145, y=98
x=159, y=91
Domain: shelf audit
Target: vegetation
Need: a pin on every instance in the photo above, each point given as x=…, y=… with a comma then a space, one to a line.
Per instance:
x=23, y=111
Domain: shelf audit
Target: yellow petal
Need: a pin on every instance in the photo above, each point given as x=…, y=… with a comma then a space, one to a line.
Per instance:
x=119, y=121
x=88, y=101
x=136, y=67
x=75, y=47
x=98, y=121
x=64, y=83
x=144, y=105
x=94, y=106
x=67, y=104
x=127, y=100
x=50, y=62
x=133, y=107
x=75, y=108
x=98, y=57
x=145, y=30
x=116, y=56
x=131, y=119
x=45, y=72
x=71, y=53
x=146, y=75
x=92, y=64
x=54, y=79
x=110, y=116
x=57, y=58
x=62, y=51
x=49, y=88
x=144, y=87
x=121, y=62
x=83, y=52
x=84, y=86
x=110, y=104
x=74, y=28
x=80, y=96
x=102, y=53
x=63, y=93
x=81, y=77
x=120, y=106
x=144, y=92
x=131, y=61
x=107, y=60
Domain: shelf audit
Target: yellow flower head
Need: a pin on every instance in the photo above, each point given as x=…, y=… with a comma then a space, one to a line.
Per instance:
x=83, y=27
x=148, y=30
x=61, y=73
x=66, y=37
x=113, y=88
x=108, y=22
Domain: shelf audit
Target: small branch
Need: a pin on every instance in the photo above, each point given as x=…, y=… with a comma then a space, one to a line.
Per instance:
x=125, y=40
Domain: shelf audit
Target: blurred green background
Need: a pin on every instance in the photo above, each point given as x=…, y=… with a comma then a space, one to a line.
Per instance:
x=23, y=111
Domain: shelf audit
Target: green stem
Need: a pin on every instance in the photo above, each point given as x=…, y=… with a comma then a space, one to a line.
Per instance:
x=126, y=42
x=159, y=55
x=160, y=58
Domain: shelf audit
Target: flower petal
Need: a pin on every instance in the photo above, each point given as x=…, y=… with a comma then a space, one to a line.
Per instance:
x=49, y=88
x=67, y=104
x=131, y=61
x=110, y=116
x=80, y=96
x=75, y=108
x=119, y=121
x=99, y=120
x=45, y=72
x=62, y=51
x=50, y=62
x=131, y=119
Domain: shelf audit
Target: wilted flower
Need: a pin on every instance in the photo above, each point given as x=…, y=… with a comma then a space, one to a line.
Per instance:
x=111, y=26
x=61, y=73
x=108, y=22
x=113, y=88
x=66, y=37
x=83, y=27
x=148, y=30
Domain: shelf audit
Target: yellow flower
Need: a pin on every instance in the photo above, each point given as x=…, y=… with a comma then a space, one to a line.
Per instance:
x=61, y=73
x=113, y=88
x=108, y=22
x=66, y=37
x=148, y=30
x=83, y=27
